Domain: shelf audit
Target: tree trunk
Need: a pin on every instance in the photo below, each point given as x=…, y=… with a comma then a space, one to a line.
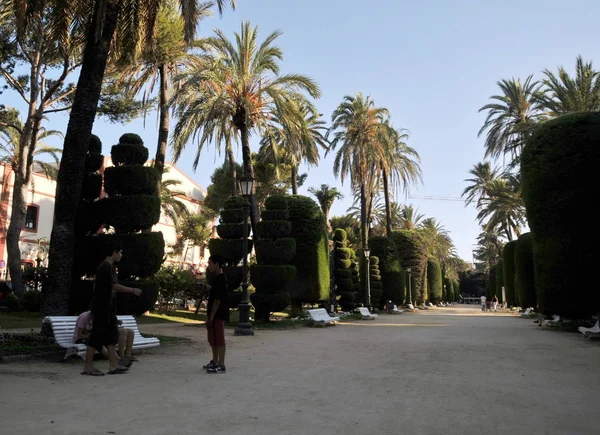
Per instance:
x=364, y=228
x=388, y=211
x=70, y=173
x=163, y=128
x=231, y=159
x=294, y=180
x=249, y=172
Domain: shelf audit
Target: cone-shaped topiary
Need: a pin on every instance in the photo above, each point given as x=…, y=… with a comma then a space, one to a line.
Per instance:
x=412, y=253
x=434, y=279
x=508, y=263
x=524, y=272
x=392, y=276
x=376, y=285
x=491, y=288
x=500, y=281
x=558, y=167
x=272, y=275
x=449, y=296
x=343, y=275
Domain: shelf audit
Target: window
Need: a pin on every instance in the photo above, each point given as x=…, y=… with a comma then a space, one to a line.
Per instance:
x=31, y=218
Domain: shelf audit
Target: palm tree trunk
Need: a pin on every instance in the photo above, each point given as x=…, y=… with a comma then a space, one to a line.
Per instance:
x=294, y=180
x=386, y=196
x=70, y=173
x=231, y=159
x=249, y=172
x=163, y=128
x=364, y=228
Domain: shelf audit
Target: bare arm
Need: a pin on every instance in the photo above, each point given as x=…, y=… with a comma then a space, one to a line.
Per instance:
x=215, y=307
x=81, y=335
x=122, y=289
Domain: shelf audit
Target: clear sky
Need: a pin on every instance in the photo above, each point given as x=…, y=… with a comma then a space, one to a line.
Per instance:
x=432, y=63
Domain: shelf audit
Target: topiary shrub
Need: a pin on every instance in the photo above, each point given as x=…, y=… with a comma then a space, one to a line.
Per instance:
x=524, y=272
x=131, y=180
x=491, y=288
x=500, y=280
x=129, y=151
x=412, y=254
x=558, y=165
x=434, y=279
x=32, y=301
x=92, y=186
x=138, y=305
x=129, y=214
x=375, y=284
x=508, y=267
x=272, y=275
x=389, y=265
x=450, y=294
x=344, y=284
x=232, y=231
x=11, y=301
x=311, y=259
x=273, y=229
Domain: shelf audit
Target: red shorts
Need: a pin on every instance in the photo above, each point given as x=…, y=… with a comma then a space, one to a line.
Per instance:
x=216, y=332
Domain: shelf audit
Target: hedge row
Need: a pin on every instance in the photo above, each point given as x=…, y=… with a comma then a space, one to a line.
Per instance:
x=392, y=276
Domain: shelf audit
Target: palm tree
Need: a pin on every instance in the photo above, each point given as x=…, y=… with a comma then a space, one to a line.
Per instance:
x=93, y=22
x=483, y=174
x=326, y=196
x=564, y=94
x=400, y=164
x=438, y=242
x=295, y=139
x=511, y=117
x=241, y=89
x=411, y=218
x=170, y=205
x=489, y=247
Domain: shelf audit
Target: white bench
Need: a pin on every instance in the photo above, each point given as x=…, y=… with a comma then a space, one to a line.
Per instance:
x=366, y=314
x=64, y=326
x=593, y=332
x=320, y=316
x=554, y=321
x=527, y=312
x=395, y=310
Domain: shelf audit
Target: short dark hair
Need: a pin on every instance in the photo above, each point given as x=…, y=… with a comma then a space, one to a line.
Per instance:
x=216, y=259
x=110, y=247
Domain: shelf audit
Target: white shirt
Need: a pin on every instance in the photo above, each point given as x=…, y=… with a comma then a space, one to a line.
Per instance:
x=483, y=299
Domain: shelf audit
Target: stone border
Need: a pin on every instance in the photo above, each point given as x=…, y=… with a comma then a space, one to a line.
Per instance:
x=31, y=356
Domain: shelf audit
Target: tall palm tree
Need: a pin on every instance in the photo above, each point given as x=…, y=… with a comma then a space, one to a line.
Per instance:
x=564, y=94
x=326, y=196
x=241, y=89
x=355, y=125
x=483, y=174
x=295, y=139
x=411, y=218
x=437, y=239
x=400, y=165
x=489, y=247
x=511, y=116
x=170, y=204
x=94, y=22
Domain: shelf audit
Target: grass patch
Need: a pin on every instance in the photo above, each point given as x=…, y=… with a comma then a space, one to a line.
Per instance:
x=24, y=344
x=168, y=339
x=20, y=319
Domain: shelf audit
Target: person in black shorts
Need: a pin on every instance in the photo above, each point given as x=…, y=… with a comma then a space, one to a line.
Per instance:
x=217, y=310
x=105, y=328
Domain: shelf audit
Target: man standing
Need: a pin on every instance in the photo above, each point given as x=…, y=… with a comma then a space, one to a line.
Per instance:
x=105, y=327
x=483, y=298
x=217, y=310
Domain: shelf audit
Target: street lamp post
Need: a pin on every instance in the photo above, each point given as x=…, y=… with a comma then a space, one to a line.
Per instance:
x=244, y=327
x=409, y=287
x=367, y=253
x=445, y=293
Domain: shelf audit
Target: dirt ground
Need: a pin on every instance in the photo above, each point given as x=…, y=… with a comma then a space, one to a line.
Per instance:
x=447, y=370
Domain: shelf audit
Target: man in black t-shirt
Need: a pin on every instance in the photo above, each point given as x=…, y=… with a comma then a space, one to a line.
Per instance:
x=217, y=310
x=105, y=328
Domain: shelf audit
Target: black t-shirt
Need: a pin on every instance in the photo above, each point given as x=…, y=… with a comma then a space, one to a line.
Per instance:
x=104, y=307
x=218, y=291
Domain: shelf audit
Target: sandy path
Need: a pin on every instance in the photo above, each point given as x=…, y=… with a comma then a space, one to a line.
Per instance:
x=448, y=370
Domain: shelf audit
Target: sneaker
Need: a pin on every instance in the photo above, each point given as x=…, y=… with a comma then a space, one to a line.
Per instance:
x=218, y=368
x=210, y=365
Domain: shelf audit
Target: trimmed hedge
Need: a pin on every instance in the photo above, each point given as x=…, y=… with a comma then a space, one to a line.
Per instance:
x=524, y=272
x=558, y=166
x=434, y=279
x=508, y=257
x=95, y=146
x=231, y=250
x=138, y=305
x=500, y=281
x=276, y=202
x=412, y=253
x=269, y=303
x=491, y=289
x=126, y=154
x=131, y=139
x=93, y=161
x=342, y=264
x=32, y=301
x=131, y=180
x=275, y=215
x=450, y=294
x=376, y=286
x=271, y=279
x=235, y=203
x=343, y=276
x=340, y=235
x=232, y=216
x=276, y=252
x=343, y=253
x=129, y=213
x=92, y=186
x=232, y=231
x=312, y=251
x=273, y=229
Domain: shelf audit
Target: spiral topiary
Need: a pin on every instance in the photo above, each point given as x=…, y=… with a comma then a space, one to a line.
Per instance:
x=343, y=272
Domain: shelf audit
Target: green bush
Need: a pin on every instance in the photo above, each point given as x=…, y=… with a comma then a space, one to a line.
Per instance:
x=235, y=203
x=232, y=231
x=12, y=302
x=276, y=202
x=342, y=264
x=273, y=229
x=232, y=216
x=231, y=250
x=389, y=266
x=276, y=252
x=126, y=154
x=95, y=145
x=412, y=254
x=434, y=279
x=558, y=165
x=524, y=272
x=500, y=280
x=131, y=139
x=312, y=251
x=93, y=161
x=343, y=253
x=131, y=180
x=269, y=303
x=450, y=294
x=137, y=305
x=508, y=267
x=129, y=214
x=275, y=215
x=375, y=284
x=272, y=279
x=491, y=288
x=343, y=273
x=92, y=186
x=32, y=301
x=340, y=235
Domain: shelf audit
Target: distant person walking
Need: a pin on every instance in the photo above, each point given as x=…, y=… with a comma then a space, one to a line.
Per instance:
x=217, y=310
x=495, y=303
x=483, y=299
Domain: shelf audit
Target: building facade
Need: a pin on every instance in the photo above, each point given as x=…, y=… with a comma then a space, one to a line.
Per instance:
x=35, y=236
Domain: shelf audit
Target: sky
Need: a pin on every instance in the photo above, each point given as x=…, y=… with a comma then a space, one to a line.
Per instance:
x=432, y=63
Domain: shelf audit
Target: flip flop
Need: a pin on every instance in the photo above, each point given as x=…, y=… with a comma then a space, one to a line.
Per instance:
x=94, y=372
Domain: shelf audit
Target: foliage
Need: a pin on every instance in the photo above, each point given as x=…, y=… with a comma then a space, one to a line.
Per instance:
x=11, y=301
x=170, y=204
x=412, y=254
x=392, y=276
x=138, y=305
x=434, y=280
x=500, y=281
x=556, y=166
x=128, y=154
x=375, y=284
x=343, y=275
x=32, y=301
x=192, y=230
x=451, y=293
x=508, y=256
x=174, y=282
x=130, y=180
x=129, y=213
x=473, y=283
x=325, y=197
x=351, y=226
x=524, y=272
x=492, y=282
